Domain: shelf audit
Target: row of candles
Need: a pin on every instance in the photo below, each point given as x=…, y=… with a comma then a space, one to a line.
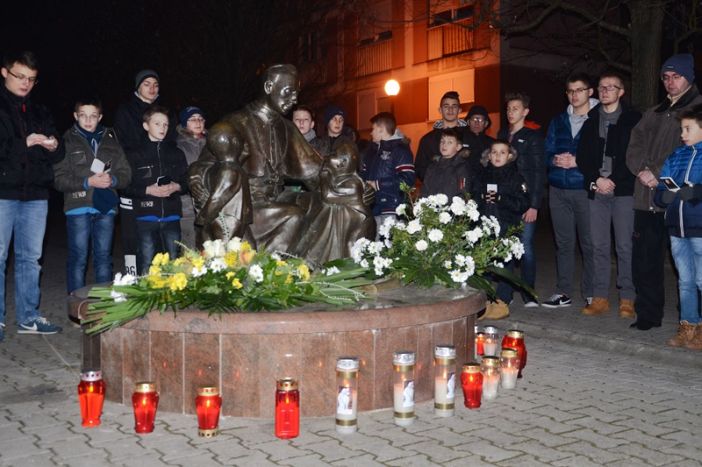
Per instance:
x=479, y=381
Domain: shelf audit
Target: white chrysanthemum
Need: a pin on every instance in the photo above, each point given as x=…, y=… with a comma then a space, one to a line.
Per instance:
x=441, y=199
x=234, y=244
x=197, y=272
x=217, y=265
x=256, y=273
x=388, y=243
x=276, y=256
x=331, y=271
x=473, y=235
x=444, y=217
x=498, y=264
x=471, y=210
x=401, y=209
x=119, y=297
x=358, y=249
x=400, y=226
x=435, y=235
x=448, y=264
x=414, y=226
x=380, y=263
x=458, y=276
x=421, y=245
x=364, y=263
x=375, y=247
x=469, y=266
x=385, y=227
x=126, y=279
x=417, y=209
x=213, y=248
x=458, y=206
x=517, y=248
x=460, y=260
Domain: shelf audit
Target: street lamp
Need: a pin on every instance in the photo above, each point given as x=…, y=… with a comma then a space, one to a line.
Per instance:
x=392, y=89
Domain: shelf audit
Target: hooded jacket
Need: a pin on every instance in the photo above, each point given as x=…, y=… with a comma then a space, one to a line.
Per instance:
x=653, y=139
x=390, y=163
x=683, y=214
x=26, y=174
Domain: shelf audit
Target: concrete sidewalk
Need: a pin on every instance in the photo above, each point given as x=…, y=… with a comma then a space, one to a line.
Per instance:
x=595, y=392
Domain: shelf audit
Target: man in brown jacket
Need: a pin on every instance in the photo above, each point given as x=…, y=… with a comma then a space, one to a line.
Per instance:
x=652, y=140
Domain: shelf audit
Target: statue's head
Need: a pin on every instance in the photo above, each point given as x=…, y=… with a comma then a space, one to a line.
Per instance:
x=281, y=87
x=343, y=161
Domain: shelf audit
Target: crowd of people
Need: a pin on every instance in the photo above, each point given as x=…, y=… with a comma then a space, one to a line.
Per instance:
x=608, y=168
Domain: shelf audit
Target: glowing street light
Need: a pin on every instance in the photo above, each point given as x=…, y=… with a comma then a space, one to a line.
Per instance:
x=392, y=87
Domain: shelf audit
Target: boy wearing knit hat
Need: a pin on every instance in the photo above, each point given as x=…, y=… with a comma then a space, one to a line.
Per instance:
x=191, y=140
x=334, y=124
x=652, y=140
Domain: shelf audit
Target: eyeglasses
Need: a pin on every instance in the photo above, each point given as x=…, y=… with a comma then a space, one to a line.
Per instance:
x=610, y=88
x=31, y=79
x=571, y=92
x=477, y=119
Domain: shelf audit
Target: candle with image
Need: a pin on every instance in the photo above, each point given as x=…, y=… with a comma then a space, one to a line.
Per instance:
x=403, y=387
x=444, y=380
x=346, y=395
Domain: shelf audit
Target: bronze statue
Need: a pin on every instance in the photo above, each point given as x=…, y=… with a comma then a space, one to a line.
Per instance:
x=237, y=183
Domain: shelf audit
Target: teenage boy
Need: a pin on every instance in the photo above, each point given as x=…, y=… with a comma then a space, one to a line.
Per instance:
x=303, y=118
x=570, y=212
x=29, y=146
x=334, y=123
x=191, y=139
x=159, y=177
x=449, y=107
x=652, y=140
x=529, y=145
x=610, y=186
x=94, y=166
x=448, y=173
x=387, y=163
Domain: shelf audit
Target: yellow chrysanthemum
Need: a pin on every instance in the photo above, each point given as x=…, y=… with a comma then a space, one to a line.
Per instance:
x=160, y=259
x=154, y=270
x=229, y=275
x=245, y=246
x=280, y=263
x=198, y=262
x=179, y=261
x=289, y=279
x=303, y=272
x=156, y=282
x=236, y=283
x=231, y=258
x=177, y=281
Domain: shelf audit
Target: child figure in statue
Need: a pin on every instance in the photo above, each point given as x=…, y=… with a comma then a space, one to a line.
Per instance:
x=343, y=217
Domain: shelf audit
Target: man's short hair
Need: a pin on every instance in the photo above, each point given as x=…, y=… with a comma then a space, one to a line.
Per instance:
x=303, y=108
x=154, y=109
x=450, y=95
x=88, y=100
x=518, y=96
x=25, y=58
x=579, y=76
x=386, y=120
x=451, y=133
x=613, y=74
x=280, y=69
x=694, y=113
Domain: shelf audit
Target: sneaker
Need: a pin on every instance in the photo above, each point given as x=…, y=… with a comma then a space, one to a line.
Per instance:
x=531, y=304
x=558, y=300
x=38, y=326
x=2, y=331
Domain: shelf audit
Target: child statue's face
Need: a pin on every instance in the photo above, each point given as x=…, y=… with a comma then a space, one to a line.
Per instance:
x=339, y=164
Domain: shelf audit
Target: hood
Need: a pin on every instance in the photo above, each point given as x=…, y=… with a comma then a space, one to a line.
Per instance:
x=440, y=124
x=593, y=103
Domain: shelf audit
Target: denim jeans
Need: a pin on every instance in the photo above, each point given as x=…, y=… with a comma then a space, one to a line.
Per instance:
x=27, y=221
x=86, y=231
x=528, y=262
x=687, y=253
x=156, y=237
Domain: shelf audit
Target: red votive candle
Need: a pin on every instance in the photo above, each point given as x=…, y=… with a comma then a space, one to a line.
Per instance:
x=145, y=403
x=207, y=405
x=514, y=339
x=287, y=409
x=472, y=382
x=91, y=395
x=479, y=344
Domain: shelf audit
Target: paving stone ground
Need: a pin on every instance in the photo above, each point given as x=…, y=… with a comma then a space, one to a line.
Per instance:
x=594, y=393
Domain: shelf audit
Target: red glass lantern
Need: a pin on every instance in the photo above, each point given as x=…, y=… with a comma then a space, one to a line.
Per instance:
x=514, y=339
x=479, y=345
x=145, y=403
x=287, y=409
x=472, y=382
x=207, y=405
x=91, y=395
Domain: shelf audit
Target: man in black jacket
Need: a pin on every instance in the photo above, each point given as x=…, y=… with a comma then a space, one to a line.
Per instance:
x=29, y=147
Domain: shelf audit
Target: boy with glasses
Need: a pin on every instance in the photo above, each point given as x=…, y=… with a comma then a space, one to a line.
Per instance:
x=570, y=213
x=610, y=187
x=29, y=147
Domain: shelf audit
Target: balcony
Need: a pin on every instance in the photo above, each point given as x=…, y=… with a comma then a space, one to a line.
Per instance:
x=373, y=57
x=449, y=39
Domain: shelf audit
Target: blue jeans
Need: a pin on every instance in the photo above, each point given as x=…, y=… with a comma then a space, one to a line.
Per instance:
x=86, y=231
x=156, y=237
x=528, y=262
x=27, y=221
x=687, y=254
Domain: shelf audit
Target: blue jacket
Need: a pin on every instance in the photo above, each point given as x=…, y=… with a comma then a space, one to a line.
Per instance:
x=559, y=139
x=683, y=215
x=390, y=163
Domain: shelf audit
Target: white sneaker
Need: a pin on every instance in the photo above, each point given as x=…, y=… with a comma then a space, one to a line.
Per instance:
x=531, y=304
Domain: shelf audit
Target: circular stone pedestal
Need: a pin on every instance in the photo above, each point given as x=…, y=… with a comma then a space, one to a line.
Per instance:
x=244, y=353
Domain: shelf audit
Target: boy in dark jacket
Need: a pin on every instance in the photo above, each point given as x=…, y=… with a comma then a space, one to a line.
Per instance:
x=449, y=173
x=94, y=167
x=500, y=191
x=159, y=171
x=680, y=192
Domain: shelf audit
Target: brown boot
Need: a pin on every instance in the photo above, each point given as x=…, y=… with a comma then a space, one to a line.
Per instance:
x=496, y=310
x=685, y=333
x=488, y=307
x=696, y=342
x=598, y=306
x=626, y=309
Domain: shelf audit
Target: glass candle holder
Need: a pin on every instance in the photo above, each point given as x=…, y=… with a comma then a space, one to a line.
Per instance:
x=479, y=345
x=490, y=368
x=514, y=339
x=403, y=387
x=490, y=345
x=91, y=396
x=145, y=403
x=287, y=409
x=472, y=383
x=208, y=403
x=444, y=380
x=509, y=368
x=346, y=395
